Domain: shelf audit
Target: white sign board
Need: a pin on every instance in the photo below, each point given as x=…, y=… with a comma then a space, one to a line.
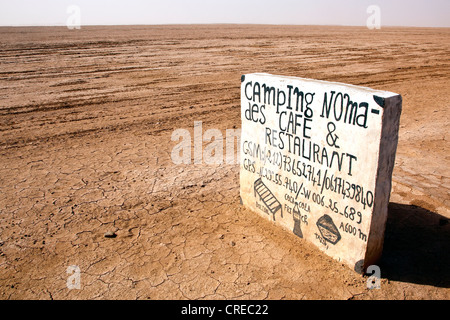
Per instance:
x=317, y=159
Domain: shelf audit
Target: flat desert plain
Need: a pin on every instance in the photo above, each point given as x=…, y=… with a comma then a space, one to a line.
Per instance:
x=87, y=180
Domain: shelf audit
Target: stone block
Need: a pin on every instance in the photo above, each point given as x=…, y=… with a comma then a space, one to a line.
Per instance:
x=317, y=159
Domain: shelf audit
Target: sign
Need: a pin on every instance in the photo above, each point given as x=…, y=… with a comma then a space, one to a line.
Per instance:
x=317, y=159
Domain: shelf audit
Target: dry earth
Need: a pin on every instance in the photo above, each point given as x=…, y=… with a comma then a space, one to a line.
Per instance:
x=86, y=118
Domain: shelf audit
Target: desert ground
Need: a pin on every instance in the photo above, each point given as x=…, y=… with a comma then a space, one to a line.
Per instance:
x=87, y=180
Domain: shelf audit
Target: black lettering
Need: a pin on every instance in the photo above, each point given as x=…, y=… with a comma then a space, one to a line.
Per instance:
x=298, y=93
x=246, y=87
x=342, y=107
x=268, y=93
x=268, y=134
x=303, y=150
x=289, y=97
x=309, y=111
x=316, y=151
x=248, y=112
x=325, y=157
x=326, y=108
x=297, y=145
x=279, y=121
x=281, y=146
x=289, y=141
x=363, y=116
x=305, y=128
x=274, y=137
x=257, y=92
x=255, y=110
x=351, y=158
x=350, y=112
x=353, y=106
x=280, y=93
x=263, y=119
x=339, y=159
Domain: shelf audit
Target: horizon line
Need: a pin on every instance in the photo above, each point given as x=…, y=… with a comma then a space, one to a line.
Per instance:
x=217, y=23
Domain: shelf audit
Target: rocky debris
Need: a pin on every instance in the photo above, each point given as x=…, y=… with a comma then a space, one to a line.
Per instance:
x=110, y=235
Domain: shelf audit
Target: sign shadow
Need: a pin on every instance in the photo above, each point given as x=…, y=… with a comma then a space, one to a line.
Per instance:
x=416, y=246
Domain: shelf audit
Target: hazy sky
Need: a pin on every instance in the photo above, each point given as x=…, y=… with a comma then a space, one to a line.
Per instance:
x=425, y=13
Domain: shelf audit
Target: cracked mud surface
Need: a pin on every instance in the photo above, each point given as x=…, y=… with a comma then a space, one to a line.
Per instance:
x=86, y=118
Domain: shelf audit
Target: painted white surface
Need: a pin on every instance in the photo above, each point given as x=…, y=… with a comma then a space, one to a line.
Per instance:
x=314, y=166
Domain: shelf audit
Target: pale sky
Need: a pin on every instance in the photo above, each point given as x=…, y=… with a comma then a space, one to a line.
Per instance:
x=420, y=13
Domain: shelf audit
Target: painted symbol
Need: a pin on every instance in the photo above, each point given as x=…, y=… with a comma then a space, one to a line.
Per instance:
x=332, y=138
x=328, y=229
x=297, y=219
x=380, y=101
x=267, y=197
